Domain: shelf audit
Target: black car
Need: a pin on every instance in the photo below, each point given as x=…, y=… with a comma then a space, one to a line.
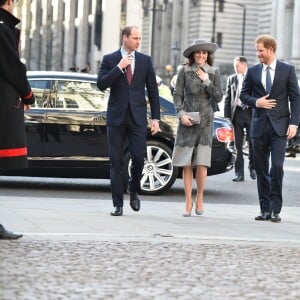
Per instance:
x=66, y=134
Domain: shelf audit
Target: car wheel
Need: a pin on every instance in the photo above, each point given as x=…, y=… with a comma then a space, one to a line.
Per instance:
x=158, y=173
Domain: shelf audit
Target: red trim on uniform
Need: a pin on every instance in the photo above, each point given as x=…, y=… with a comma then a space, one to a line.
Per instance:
x=13, y=152
x=28, y=96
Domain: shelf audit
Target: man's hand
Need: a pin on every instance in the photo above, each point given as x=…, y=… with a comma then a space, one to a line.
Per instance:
x=125, y=61
x=154, y=127
x=26, y=107
x=291, y=132
x=263, y=102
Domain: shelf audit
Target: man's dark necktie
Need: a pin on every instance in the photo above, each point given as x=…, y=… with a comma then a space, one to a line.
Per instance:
x=268, y=80
x=129, y=74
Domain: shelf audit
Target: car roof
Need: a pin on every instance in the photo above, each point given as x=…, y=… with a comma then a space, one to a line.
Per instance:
x=57, y=74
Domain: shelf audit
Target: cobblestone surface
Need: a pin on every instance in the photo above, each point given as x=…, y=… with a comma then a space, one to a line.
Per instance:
x=40, y=269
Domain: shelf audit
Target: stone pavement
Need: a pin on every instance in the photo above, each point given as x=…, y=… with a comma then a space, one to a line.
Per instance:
x=73, y=249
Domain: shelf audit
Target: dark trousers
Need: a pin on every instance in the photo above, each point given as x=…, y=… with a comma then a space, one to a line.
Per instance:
x=133, y=135
x=269, y=180
x=242, y=121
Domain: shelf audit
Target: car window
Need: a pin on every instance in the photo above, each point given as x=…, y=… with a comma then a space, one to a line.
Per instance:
x=166, y=106
x=42, y=92
x=79, y=95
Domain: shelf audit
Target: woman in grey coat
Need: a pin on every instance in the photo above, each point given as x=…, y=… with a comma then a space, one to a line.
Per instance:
x=198, y=88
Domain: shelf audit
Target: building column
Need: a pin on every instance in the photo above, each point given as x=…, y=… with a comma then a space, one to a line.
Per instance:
x=57, y=35
x=176, y=35
x=295, y=46
x=280, y=30
x=69, y=35
x=185, y=27
x=134, y=13
x=34, y=52
x=165, y=43
x=146, y=33
x=81, y=22
x=93, y=56
x=46, y=35
x=111, y=26
x=24, y=46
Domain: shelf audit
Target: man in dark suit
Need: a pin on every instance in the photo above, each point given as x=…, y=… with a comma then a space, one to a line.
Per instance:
x=126, y=72
x=240, y=116
x=271, y=89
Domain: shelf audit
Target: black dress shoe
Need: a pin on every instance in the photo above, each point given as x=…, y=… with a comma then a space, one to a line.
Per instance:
x=263, y=216
x=135, y=202
x=252, y=174
x=238, y=179
x=118, y=211
x=8, y=235
x=275, y=218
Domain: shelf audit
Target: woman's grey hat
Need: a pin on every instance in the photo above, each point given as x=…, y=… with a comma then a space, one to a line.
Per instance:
x=200, y=45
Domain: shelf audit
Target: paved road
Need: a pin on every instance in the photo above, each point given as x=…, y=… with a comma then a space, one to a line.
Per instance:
x=73, y=249
x=219, y=188
x=47, y=269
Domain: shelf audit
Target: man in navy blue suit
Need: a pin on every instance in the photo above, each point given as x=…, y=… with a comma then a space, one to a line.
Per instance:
x=127, y=72
x=271, y=89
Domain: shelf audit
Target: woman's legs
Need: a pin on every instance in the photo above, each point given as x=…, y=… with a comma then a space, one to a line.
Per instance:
x=201, y=174
x=188, y=186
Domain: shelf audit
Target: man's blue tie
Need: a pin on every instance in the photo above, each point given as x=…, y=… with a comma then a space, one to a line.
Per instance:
x=268, y=80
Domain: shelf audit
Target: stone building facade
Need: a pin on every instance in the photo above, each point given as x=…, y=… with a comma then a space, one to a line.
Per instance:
x=64, y=34
x=234, y=25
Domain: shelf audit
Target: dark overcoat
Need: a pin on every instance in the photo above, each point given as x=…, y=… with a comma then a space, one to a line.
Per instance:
x=15, y=91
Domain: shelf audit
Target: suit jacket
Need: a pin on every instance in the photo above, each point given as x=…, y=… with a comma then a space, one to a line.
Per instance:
x=285, y=90
x=230, y=101
x=123, y=95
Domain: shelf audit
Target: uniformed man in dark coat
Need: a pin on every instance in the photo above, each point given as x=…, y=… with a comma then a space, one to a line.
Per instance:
x=15, y=97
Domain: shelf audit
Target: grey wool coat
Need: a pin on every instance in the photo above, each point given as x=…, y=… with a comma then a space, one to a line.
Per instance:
x=192, y=94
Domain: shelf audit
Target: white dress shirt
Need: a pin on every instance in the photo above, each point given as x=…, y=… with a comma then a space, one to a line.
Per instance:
x=264, y=73
x=132, y=54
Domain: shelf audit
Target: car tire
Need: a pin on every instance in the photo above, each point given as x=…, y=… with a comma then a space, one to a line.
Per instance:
x=158, y=174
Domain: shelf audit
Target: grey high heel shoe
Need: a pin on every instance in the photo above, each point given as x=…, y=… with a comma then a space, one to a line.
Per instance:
x=198, y=212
